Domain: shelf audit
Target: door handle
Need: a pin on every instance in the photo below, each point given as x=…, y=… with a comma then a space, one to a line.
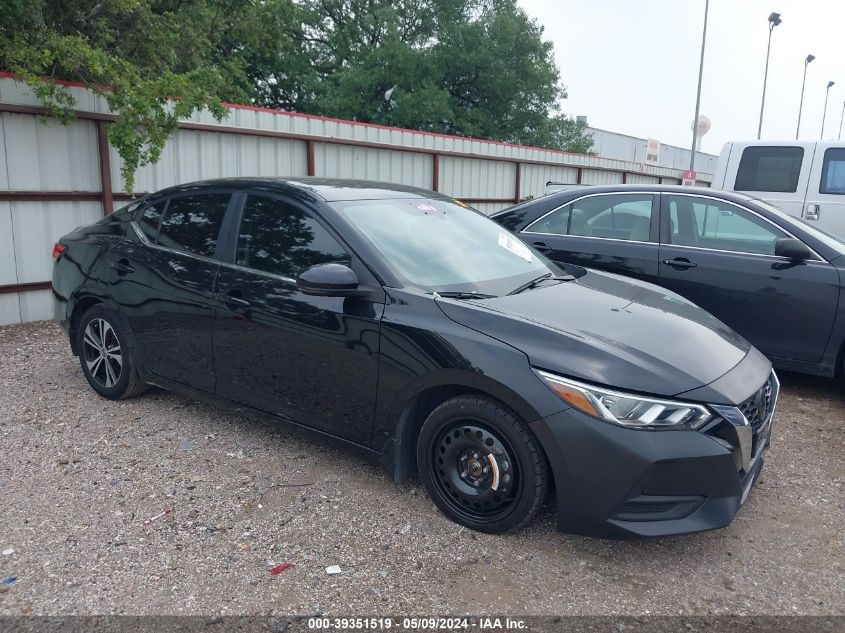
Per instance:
x=123, y=267
x=542, y=247
x=233, y=297
x=680, y=262
x=812, y=211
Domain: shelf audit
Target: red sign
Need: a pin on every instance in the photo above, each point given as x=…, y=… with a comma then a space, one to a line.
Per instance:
x=688, y=178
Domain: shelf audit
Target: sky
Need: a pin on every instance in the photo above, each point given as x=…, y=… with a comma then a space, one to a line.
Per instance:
x=631, y=66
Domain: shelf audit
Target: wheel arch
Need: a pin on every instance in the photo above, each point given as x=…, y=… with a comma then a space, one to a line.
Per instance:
x=82, y=302
x=400, y=452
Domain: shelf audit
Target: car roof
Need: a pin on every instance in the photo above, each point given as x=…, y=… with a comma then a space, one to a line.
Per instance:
x=635, y=188
x=328, y=189
x=525, y=211
x=577, y=192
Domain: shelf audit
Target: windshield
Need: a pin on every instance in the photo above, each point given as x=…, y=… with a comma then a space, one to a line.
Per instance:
x=436, y=245
x=828, y=239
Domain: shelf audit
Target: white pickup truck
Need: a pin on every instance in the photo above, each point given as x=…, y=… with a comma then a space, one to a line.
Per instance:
x=804, y=178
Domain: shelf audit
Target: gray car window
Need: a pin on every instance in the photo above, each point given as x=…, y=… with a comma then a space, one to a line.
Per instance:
x=616, y=216
x=709, y=223
x=555, y=223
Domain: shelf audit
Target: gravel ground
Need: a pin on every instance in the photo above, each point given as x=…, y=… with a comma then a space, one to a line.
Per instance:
x=80, y=474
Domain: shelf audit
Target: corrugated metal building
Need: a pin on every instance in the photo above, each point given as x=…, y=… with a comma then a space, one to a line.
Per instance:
x=623, y=147
x=55, y=177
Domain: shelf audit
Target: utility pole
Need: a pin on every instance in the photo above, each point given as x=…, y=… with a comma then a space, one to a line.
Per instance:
x=801, y=103
x=774, y=20
x=840, y=121
x=824, y=112
x=698, y=94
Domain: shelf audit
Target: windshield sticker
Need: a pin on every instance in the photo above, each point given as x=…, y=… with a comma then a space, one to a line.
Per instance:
x=515, y=246
x=428, y=208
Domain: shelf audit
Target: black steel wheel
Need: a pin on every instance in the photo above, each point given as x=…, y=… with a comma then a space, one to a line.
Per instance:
x=105, y=347
x=481, y=465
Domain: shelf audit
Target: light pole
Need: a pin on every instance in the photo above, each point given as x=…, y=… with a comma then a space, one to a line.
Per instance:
x=824, y=112
x=774, y=20
x=840, y=121
x=801, y=103
x=698, y=93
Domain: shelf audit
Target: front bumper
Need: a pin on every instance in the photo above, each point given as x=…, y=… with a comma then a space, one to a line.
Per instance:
x=625, y=483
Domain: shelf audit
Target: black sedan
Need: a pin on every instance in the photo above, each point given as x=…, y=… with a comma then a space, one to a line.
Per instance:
x=771, y=277
x=430, y=339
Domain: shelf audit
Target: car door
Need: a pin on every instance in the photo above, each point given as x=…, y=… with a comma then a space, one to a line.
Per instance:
x=616, y=232
x=720, y=256
x=162, y=281
x=826, y=195
x=310, y=359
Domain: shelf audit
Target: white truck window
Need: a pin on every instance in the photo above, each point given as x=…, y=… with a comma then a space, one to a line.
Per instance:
x=833, y=171
x=769, y=168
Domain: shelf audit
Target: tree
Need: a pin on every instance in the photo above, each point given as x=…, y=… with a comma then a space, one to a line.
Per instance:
x=564, y=133
x=467, y=67
x=136, y=53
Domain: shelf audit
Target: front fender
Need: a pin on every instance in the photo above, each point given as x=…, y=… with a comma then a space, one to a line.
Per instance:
x=425, y=358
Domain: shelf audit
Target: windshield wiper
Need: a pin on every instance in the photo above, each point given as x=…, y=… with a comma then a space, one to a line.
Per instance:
x=538, y=280
x=462, y=295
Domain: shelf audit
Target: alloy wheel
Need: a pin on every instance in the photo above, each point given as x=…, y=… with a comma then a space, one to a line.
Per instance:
x=102, y=352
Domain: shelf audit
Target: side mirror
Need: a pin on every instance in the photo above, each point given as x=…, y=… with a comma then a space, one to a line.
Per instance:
x=327, y=280
x=793, y=249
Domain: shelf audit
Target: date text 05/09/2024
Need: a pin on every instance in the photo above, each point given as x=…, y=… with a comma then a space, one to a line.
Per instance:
x=417, y=623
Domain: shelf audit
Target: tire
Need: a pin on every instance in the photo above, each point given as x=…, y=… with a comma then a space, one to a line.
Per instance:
x=110, y=369
x=481, y=465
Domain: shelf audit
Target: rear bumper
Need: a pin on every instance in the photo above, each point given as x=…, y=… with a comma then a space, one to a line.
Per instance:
x=623, y=483
x=61, y=309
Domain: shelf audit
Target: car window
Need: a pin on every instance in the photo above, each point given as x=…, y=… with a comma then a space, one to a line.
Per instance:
x=148, y=219
x=833, y=171
x=813, y=230
x=127, y=212
x=555, y=223
x=769, y=169
x=437, y=245
x=708, y=223
x=278, y=238
x=192, y=223
x=620, y=217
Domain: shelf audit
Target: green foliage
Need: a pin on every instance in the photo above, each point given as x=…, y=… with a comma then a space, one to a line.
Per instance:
x=565, y=133
x=476, y=68
x=468, y=67
x=153, y=65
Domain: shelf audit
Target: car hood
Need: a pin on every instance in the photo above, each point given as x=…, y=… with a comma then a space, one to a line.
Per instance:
x=609, y=330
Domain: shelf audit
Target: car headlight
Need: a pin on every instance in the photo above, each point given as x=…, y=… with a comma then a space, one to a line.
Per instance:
x=626, y=409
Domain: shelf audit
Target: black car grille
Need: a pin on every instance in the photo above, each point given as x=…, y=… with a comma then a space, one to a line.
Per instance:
x=757, y=408
x=728, y=430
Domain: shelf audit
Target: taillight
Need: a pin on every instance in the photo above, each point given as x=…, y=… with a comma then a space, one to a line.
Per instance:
x=58, y=249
